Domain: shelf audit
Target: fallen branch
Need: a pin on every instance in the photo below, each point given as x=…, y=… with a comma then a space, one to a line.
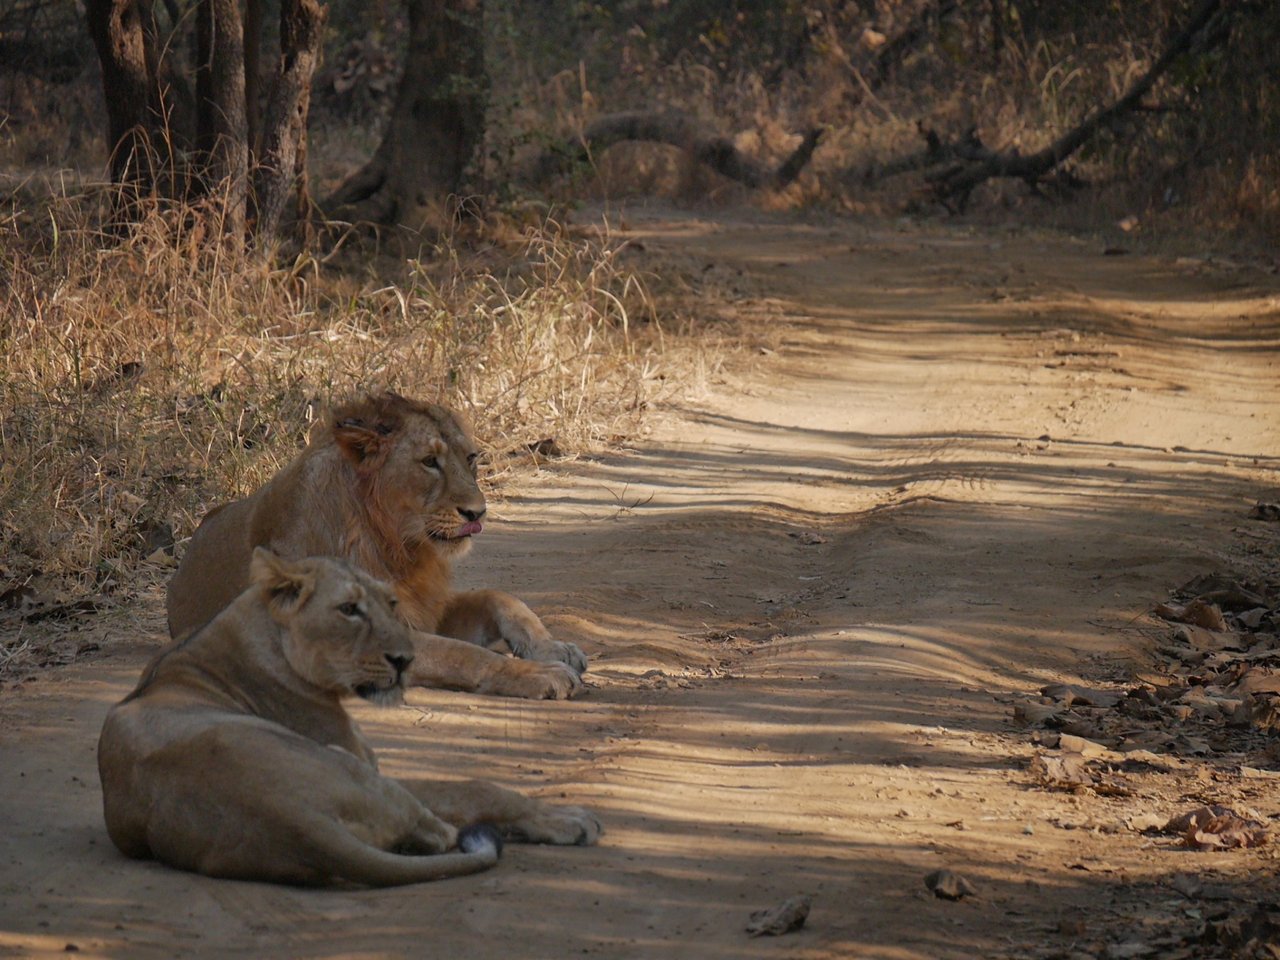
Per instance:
x=681, y=130
x=974, y=163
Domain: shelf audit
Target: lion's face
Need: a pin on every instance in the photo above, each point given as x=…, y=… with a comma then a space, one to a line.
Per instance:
x=341, y=633
x=416, y=463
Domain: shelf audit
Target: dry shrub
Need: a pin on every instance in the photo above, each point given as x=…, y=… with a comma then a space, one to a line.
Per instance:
x=147, y=376
x=1198, y=156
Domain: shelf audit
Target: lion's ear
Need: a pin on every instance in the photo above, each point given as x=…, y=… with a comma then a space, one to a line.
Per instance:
x=287, y=584
x=362, y=437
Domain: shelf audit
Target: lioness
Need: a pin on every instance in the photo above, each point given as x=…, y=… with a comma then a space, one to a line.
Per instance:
x=233, y=757
x=389, y=484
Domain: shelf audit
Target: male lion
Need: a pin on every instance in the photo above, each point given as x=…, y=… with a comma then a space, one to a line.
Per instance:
x=390, y=485
x=233, y=756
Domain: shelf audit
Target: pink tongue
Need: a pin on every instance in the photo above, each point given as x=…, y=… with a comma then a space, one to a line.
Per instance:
x=469, y=529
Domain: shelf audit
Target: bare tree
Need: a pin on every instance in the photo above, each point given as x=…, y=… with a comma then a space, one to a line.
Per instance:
x=124, y=35
x=282, y=151
x=222, y=132
x=436, y=124
x=142, y=162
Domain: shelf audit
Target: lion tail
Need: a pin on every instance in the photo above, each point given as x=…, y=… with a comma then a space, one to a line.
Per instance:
x=351, y=859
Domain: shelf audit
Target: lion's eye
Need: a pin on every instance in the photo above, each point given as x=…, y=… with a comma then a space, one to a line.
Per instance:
x=431, y=463
x=349, y=609
x=473, y=461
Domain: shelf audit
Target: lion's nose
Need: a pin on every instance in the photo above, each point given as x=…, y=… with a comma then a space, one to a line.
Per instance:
x=472, y=515
x=398, y=663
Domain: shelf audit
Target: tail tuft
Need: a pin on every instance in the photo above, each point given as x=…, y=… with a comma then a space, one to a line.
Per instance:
x=480, y=837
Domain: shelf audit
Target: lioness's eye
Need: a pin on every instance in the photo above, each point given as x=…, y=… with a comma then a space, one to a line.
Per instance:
x=473, y=460
x=431, y=463
x=349, y=609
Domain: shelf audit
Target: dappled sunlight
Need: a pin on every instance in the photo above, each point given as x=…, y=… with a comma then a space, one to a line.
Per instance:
x=810, y=601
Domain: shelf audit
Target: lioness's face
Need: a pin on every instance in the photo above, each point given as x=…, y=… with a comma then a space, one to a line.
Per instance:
x=417, y=464
x=341, y=631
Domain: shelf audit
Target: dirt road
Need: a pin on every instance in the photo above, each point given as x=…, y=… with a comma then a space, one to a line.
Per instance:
x=969, y=467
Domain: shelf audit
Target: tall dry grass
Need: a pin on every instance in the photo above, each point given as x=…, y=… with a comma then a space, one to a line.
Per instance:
x=146, y=377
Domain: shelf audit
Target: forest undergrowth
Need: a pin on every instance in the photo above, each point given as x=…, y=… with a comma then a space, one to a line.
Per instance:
x=147, y=376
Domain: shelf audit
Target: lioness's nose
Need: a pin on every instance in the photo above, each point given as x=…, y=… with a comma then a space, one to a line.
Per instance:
x=470, y=515
x=398, y=663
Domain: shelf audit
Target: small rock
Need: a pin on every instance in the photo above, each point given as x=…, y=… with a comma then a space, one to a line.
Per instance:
x=1036, y=713
x=787, y=916
x=1265, y=511
x=1128, y=951
x=949, y=885
x=1086, y=748
x=1145, y=822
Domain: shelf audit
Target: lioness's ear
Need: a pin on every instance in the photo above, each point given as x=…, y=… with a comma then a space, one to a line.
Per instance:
x=287, y=584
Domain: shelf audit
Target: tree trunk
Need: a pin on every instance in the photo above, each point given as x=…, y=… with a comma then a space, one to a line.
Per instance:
x=123, y=34
x=221, y=128
x=253, y=73
x=997, y=34
x=436, y=124
x=282, y=157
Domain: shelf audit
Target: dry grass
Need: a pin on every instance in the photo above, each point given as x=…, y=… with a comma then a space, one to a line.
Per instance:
x=147, y=377
x=1194, y=170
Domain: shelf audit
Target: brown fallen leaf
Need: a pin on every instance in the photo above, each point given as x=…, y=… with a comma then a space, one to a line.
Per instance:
x=1197, y=612
x=1248, y=925
x=1205, y=640
x=1256, y=680
x=1215, y=827
x=949, y=885
x=787, y=916
x=1262, y=713
x=1251, y=619
x=1227, y=593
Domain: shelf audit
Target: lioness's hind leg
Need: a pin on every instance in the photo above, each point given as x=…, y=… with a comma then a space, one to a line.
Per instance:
x=520, y=818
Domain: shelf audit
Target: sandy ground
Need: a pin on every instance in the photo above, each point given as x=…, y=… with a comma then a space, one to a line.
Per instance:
x=966, y=469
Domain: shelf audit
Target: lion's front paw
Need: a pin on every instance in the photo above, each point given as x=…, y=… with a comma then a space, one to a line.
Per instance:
x=566, y=826
x=560, y=651
x=534, y=681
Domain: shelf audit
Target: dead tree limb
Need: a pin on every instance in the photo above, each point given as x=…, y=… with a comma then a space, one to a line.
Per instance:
x=681, y=130
x=957, y=181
